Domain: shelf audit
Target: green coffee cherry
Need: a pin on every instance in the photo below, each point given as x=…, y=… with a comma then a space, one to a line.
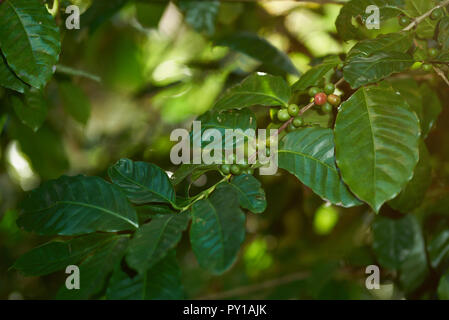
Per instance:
x=314, y=91
x=404, y=21
x=427, y=67
x=327, y=107
x=433, y=52
x=283, y=115
x=293, y=110
x=329, y=88
x=235, y=169
x=225, y=168
x=298, y=122
x=291, y=127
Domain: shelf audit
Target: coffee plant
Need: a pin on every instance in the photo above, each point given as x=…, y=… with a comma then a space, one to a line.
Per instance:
x=352, y=129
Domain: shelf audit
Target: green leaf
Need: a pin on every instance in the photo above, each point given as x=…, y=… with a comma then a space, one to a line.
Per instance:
x=443, y=287
x=217, y=230
x=154, y=240
x=443, y=33
x=3, y=119
x=161, y=282
x=257, y=89
x=57, y=255
x=200, y=15
x=273, y=60
x=416, y=8
x=76, y=205
x=149, y=14
x=142, y=182
x=397, y=42
x=438, y=249
x=30, y=40
x=357, y=8
x=377, y=138
x=8, y=78
x=250, y=192
x=415, y=191
x=32, y=109
x=196, y=170
x=233, y=119
x=309, y=155
x=95, y=270
x=316, y=73
x=361, y=69
x=431, y=110
x=100, y=11
x=75, y=101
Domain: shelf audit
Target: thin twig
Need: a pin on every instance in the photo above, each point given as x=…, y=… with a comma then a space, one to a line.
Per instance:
x=441, y=74
x=257, y=287
x=419, y=19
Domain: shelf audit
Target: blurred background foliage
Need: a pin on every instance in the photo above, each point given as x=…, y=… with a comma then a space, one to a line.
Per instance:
x=153, y=66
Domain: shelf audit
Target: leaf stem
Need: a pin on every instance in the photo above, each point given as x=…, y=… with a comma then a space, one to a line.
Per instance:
x=419, y=19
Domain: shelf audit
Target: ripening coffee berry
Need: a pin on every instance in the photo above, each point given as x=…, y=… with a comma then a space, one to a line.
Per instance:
x=334, y=100
x=283, y=115
x=427, y=67
x=293, y=110
x=225, y=168
x=329, y=88
x=314, y=91
x=298, y=122
x=327, y=107
x=235, y=169
x=320, y=99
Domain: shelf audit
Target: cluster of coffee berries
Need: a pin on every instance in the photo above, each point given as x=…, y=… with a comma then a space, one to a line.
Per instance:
x=285, y=114
x=325, y=97
x=236, y=169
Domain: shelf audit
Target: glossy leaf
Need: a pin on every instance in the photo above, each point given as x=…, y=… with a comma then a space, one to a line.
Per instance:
x=357, y=8
x=415, y=191
x=361, y=69
x=314, y=76
x=376, y=137
x=75, y=101
x=200, y=15
x=76, y=205
x=217, y=230
x=8, y=78
x=250, y=192
x=32, y=109
x=57, y=255
x=195, y=170
x=257, y=89
x=30, y=40
x=238, y=120
x=95, y=270
x=309, y=155
x=391, y=42
x=161, y=282
x=273, y=60
x=142, y=182
x=154, y=240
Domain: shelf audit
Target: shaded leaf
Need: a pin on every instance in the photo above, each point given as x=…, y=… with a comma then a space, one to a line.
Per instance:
x=154, y=240
x=438, y=249
x=8, y=78
x=309, y=155
x=57, y=255
x=314, y=76
x=32, y=109
x=142, y=182
x=431, y=109
x=75, y=101
x=376, y=137
x=274, y=60
x=217, y=230
x=186, y=170
x=161, y=282
x=149, y=14
x=443, y=287
x=76, y=205
x=443, y=33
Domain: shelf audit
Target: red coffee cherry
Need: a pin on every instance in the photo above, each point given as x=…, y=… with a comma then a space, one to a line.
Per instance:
x=320, y=99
